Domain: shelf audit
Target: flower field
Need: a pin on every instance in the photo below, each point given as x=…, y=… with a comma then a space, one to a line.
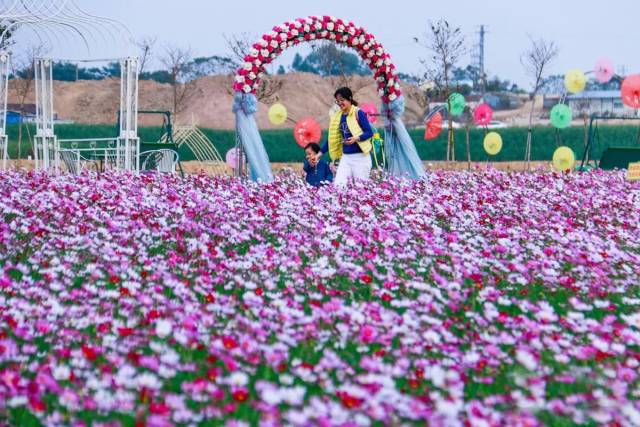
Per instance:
x=471, y=299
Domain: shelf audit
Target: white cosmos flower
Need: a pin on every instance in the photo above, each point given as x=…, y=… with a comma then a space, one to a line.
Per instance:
x=238, y=379
x=148, y=380
x=61, y=373
x=527, y=360
x=163, y=328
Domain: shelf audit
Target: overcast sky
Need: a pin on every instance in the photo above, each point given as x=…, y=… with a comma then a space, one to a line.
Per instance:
x=583, y=30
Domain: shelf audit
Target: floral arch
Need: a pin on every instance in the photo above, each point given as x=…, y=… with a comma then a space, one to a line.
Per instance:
x=401, y=153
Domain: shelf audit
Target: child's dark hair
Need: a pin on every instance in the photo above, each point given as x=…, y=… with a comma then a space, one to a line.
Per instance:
x=314, y=147
x=346, y=93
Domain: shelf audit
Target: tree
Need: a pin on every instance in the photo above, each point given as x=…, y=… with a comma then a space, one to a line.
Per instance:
x=239, y=46
x=6, y=29
x=445, y=44
x=24, y=69
x=211, y=65
x=177, y=64
x=281, y=70
x=327, y=60
x=145, y=47
x=536, y=60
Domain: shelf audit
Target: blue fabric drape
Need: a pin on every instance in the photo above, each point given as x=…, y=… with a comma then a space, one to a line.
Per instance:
x=400, y=152
x=244, y=107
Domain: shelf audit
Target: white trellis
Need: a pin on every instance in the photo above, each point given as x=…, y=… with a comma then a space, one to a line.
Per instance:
x=5, y=59
x=50, y=19
x=128, y=141
x=45, y=151
x=120, y=153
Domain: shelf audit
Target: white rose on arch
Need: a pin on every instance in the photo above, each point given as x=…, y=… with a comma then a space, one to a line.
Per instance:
x=391, y=82
x=247, y=66
x=253, y=52
x=312, y=36
x=352, y=31
x=331, y=26
x=318, y=25
x=263, y=43
x=307, y=28
x=393, y=97
x=379, y=63
x=295, y=33
x=380, y=92
x=246, y=88
x=252, y=75
x=257, y=63
x=260, y=75
x=367, y=61
x=240, y=79
x=264, y=53
x=341, y=28
x=274, y=44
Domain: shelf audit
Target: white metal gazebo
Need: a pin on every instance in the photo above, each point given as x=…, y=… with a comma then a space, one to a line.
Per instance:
x=53, y=20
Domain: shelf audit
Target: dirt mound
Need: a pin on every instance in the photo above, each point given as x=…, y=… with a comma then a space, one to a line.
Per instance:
x=304, y=95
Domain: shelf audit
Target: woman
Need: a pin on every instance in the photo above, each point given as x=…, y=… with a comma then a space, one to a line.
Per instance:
x=349, y=139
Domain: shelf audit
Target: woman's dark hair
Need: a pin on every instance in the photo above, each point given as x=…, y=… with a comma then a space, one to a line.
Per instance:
x=314, y=147
x=346, y=93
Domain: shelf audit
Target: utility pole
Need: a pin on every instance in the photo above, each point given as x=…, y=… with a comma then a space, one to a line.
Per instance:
x=478, y=59
x=483, y=77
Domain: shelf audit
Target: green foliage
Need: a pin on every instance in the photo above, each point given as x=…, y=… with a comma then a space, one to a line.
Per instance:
x=281, y=146
x=329, y=60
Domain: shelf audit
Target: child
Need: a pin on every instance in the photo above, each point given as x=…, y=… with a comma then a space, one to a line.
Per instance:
x=317, y=170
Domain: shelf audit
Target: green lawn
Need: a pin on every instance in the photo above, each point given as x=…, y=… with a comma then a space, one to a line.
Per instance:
x=281, y=146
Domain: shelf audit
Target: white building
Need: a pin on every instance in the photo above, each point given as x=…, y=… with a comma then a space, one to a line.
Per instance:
x=602, y=102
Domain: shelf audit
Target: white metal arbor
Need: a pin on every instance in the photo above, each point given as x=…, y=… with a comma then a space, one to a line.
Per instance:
x=4, y=86
x=53, y=20
x=45, y=150
x=121, y=153
x=128, y=141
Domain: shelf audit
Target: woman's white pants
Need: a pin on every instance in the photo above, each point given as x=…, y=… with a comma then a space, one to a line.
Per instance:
x=357, y=165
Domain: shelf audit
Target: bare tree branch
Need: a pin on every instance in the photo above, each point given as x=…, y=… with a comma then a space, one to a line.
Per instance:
x=536, y=61
x=445, y=45
x=239, y=46
x=23, y=68
x=176, y=62
x=145, y=46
